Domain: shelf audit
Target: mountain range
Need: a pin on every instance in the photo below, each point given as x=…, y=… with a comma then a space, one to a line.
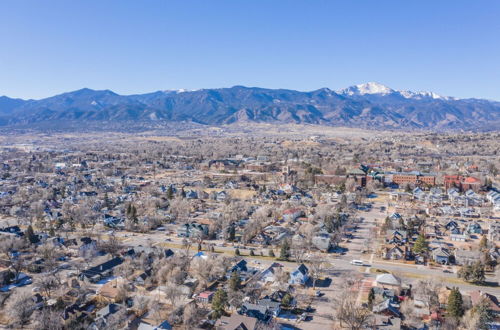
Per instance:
x=369, y=105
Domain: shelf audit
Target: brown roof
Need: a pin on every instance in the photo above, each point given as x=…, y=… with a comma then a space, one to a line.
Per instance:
x=477, y=296
x=236, y=321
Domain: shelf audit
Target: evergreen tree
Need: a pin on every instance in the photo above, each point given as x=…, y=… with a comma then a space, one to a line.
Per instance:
x=30, y=234
x=285, y=250
x=420, y=245
x=232, y=233
x=170, y=192
x=132, y=213
x=237, y=252
x=287, y=300
x=483, y=314
x=199, y=247
x=129, y=210
x=371, y=298
x=219, y=303
x=455, y=306
x=329, y=225
x=107, y=201
x=235, y=281
x=271, y=253
x=252, y=253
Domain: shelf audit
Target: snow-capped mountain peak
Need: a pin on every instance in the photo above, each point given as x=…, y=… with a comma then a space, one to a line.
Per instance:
x=179, y=91
x=367, y=88
x=424, y=94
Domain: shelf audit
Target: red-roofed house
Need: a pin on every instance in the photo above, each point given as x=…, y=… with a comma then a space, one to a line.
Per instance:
x=292, y=214
x=205, y=297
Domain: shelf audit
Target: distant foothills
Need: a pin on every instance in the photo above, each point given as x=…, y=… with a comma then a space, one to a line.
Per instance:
x=369, y=105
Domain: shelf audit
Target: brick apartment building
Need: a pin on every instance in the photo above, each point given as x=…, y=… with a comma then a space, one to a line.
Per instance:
x=402, y=179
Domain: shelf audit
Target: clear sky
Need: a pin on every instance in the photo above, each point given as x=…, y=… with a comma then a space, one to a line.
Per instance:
x=49, y=47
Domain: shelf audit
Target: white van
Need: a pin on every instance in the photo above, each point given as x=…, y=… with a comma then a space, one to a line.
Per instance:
x=357, y=263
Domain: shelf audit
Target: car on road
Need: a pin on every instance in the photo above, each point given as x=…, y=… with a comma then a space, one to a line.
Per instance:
x=357, y=263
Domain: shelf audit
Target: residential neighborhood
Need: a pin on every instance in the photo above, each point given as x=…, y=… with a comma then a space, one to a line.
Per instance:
x=158, y=232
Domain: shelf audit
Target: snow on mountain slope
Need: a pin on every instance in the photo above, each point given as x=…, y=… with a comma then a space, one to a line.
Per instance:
x=367, y=88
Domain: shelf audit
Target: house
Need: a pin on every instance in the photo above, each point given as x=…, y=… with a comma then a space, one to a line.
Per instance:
x=474, y=228
x=397, y=237
x=165, y=325
x=110, y=290
x=236, y=322
x=451, y=225
x=292, y=214
x=108, y=310
x=103, y=270
x=494, y=231
x=260, y=312
x=168, y=253
x=113, y=222
x=21, y=280
x=274, y=307
x=394, y=253
x=384, y=293
x=386, y=308
x=221, y=196
x=458, y=237
x=232, y=185
x=441, y=255
x=88, y=246
x=383, y=322
x=478, y=296
x=12, y=230
x=388, y=281
x=78, y=311
x=464, y=257
x=141, y=278
x=300, y=275
x=240, y=266
x=192, y=229
x=205, y=297
x=269, y=274
x=191, y=194
x=395, y=216
x=322, y=241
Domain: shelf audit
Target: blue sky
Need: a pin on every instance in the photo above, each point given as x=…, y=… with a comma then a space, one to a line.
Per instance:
x=50, y=47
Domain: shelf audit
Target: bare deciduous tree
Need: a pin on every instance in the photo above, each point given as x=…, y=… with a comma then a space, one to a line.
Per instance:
x=350, y=313
x=20, y=308
x=47, y=319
